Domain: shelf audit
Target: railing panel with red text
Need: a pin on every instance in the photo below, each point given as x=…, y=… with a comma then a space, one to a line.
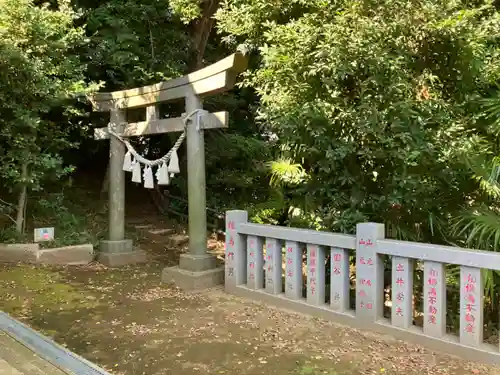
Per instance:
x=365, y=281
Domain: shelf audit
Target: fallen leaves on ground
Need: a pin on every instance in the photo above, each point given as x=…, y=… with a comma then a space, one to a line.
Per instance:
x=129, y=323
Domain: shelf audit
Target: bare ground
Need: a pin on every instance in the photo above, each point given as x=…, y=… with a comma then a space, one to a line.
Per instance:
x=127, y=322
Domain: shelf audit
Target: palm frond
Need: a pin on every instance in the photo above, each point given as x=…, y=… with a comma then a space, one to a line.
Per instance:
x=480, y=226
x=283, y=171
x=485, y=169
x=489, y=284
x=492, y=107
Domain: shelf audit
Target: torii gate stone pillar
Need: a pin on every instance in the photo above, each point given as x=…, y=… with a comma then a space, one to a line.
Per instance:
x=197, y=268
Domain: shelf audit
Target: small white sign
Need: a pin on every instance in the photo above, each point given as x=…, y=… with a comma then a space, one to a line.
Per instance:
x=44, y=234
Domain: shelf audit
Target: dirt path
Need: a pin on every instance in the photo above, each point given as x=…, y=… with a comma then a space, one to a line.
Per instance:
x=129, y=323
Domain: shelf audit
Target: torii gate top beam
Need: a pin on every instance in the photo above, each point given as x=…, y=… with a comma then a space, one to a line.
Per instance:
x=215, y=78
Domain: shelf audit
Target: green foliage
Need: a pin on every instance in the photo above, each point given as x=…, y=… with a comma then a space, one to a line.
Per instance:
x=39, y=74
x=479, y=222
x=155, y=44
x=481, y=226
x=376, y=100
x=187, y=10
x=249, y=21
x=74, y=223
x=235, y=170
x=283, y=171
x=133, y=43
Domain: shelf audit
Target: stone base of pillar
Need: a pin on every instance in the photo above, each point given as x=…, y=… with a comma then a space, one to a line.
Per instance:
x=193, y=280
x=119, y=253
x=197, y=263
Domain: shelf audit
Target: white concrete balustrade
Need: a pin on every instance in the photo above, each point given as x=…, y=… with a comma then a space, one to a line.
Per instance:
x=267, y=263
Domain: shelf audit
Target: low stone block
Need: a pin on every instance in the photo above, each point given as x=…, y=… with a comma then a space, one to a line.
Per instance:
x=68, y=255
x=188, y=280
x=13, y=253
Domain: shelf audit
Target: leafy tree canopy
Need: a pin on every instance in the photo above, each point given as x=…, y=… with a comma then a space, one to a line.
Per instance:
x=40, y=77
x=377, y=100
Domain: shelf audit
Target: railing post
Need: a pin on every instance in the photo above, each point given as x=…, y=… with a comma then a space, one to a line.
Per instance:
x=255, y=263
x=293, y=270
x=402, y=292
x=273, y=266
x=339, y=279
x=471, y=306
x=236, y=257
x=315, y=275
x=434, y=299
x=369, y=272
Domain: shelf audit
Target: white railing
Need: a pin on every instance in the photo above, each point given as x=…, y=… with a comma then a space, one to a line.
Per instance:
x=266, y=262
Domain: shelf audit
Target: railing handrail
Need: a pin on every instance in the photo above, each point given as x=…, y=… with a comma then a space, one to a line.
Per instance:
x=440, y=253
x=414, y=250
x=343, y=241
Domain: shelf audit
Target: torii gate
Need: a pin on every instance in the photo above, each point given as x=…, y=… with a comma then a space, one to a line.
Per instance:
x=196, y=268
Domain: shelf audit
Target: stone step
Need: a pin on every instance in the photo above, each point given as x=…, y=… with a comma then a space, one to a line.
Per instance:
x=167, y=236
x=143, y=226
x=161, y=231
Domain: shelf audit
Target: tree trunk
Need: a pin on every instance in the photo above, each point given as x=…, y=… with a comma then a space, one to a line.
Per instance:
x=202, y=29
x=21, y=203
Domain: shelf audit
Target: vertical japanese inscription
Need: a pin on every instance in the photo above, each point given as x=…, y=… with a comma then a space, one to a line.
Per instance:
x=230, y=248
x=369, y=271
x=364, y=288
x=434, y=299
x=273, y=266
x=293, y=270
x=235, y=252
x=339, y=279
x=255, y=260
x=471, y=301
x=402, y=292
x=315, y=275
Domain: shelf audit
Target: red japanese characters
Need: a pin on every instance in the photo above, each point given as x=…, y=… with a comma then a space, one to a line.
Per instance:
x=336, y=263
x=432, y=296
x=470, y=303
x=398, y=293
x=312, y=270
